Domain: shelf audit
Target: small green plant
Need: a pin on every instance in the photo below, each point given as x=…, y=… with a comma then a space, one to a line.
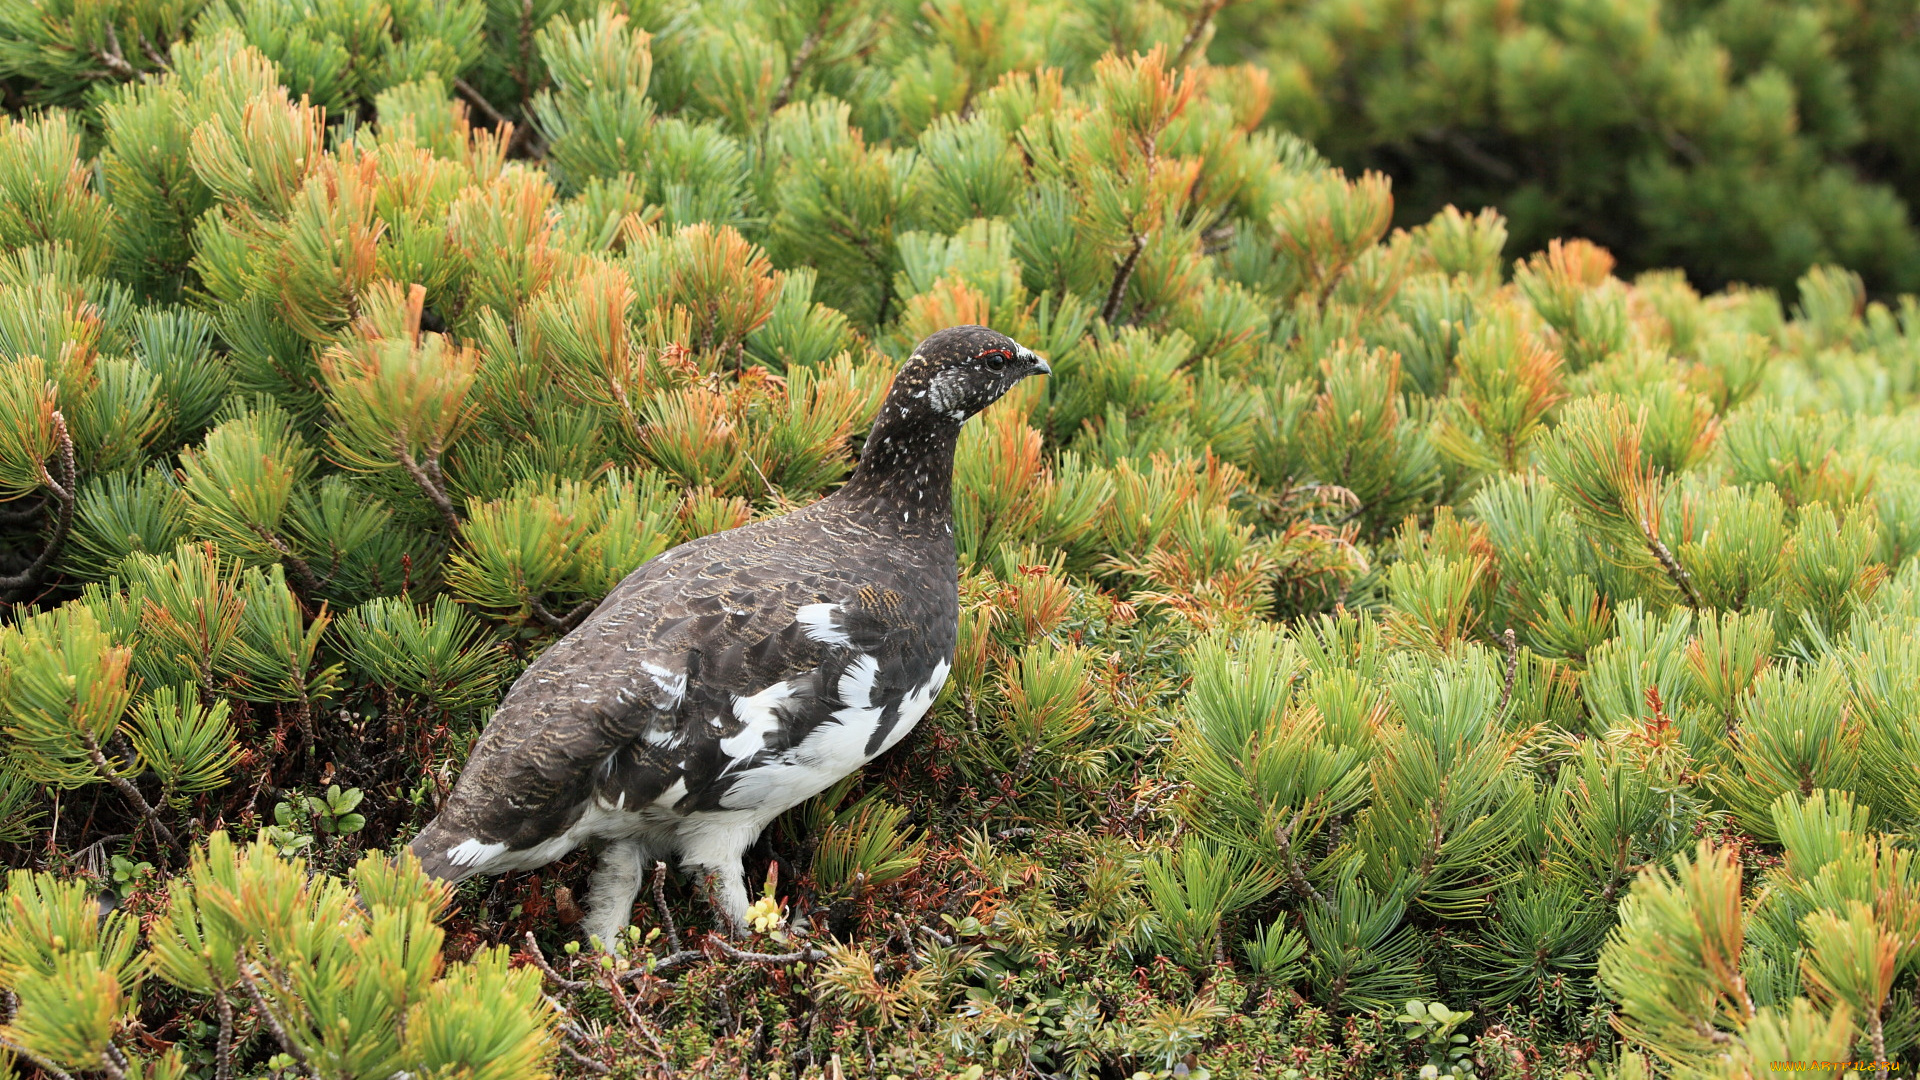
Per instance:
x=129, y=875
x=334, y=814
x=298, y=821
x=290, y=832
x=1433, y=1029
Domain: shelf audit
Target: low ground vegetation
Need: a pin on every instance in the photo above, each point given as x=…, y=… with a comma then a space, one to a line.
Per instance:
x=1379, y=657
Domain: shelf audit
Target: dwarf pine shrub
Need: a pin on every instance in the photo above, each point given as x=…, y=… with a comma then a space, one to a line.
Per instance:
x=1378, y=653
x=1745, y=140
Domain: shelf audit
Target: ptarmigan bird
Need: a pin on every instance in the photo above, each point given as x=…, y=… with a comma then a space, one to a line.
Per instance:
x=735, y=676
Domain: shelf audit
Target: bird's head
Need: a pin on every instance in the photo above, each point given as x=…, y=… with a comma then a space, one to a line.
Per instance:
x=959, y=371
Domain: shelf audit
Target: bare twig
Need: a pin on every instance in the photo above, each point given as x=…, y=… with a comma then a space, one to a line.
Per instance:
x=772, y=492
x=557, y=979
x=671, y=960
x=660, y=906
x=710, y=888
x=798, y=956
x=583, y=1060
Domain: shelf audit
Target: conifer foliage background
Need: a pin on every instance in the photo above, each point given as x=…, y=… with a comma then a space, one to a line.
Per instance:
x=1381, y=656
x=1744, y=140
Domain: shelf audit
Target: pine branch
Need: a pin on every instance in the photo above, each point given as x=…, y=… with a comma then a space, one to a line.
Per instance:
x=297, y=567
x=1470, y=152
x=1196, y=29
x=223, y=1045
x=1121, y=276
x=1681, y=579
x=1512, y=647
x=154, y=53
x=562, y=624
x=432, y=482
x=1436, y=836
x=9, y=516
x=114, y=1061
x=64, y=491
x=1618, y=876
x=131, y=793
x=479, y=101
x=800, y=58
x=111, y=56
x=1296, y=874
x=294, y=1049
x=39, y=1062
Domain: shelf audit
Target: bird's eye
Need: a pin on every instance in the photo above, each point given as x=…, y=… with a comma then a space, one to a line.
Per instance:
x=997, y=358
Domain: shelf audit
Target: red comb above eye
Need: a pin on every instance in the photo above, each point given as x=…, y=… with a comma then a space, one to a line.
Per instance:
x=1004, y=354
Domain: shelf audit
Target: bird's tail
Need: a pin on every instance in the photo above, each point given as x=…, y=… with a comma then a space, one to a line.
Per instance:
x=450, y=855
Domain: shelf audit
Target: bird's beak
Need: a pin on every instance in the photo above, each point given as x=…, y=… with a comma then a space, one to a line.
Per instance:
x=1035, y=365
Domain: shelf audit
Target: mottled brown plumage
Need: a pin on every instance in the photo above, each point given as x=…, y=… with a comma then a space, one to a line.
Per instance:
x=739, y=674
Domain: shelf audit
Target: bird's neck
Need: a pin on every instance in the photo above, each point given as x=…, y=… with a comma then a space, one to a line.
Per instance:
x=905, y=475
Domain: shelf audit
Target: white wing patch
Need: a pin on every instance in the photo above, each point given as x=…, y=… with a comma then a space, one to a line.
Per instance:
x=760, y=715
x=471, y=852
x=816, y=621
x=915, y=705
x=673, y=794
x=856, y=685
x=836, y=747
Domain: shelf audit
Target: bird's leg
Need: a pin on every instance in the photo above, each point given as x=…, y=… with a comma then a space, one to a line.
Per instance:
x=716, y=854
x=611, y=891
